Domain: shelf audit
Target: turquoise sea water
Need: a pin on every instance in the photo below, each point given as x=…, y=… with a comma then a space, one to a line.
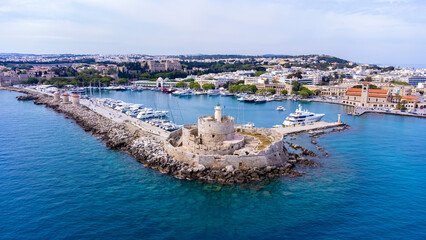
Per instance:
x=57, y=181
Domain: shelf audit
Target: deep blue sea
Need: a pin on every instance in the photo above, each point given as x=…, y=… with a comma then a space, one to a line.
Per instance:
x=59, y=182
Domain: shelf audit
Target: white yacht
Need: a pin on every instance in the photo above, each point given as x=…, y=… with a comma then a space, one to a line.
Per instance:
x=260, y=99
x=185, y=92
x=302, y=117
x=213, y=92
x=280, y=108
x=146, y=114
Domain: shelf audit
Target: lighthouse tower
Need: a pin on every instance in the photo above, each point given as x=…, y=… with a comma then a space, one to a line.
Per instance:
x=218, y=113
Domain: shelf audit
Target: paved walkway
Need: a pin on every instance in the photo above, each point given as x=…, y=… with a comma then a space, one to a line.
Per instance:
x=358, y=111
x=314, y=126
x=123, y=118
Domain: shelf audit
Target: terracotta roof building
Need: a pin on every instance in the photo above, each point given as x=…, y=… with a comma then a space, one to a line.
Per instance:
x=366, y=97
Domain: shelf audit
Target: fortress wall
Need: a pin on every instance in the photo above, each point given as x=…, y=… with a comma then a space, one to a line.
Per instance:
x=219, y=155
x=273, y=156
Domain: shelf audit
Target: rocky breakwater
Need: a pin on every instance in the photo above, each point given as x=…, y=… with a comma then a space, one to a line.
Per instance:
x=149, y=150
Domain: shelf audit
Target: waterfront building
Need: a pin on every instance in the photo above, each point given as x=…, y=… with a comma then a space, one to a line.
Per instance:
x=277, y=86
x=334, y=91
x=366, y=97
x=410, y=101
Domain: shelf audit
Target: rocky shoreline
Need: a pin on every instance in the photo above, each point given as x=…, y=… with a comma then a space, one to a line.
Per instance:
x=148, y=150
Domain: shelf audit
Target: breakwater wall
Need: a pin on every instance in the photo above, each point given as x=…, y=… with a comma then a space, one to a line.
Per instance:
x=149, y=150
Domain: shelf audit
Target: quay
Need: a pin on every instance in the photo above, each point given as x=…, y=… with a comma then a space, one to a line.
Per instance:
x=359, y=111
x=120, y=117
x=284, y=131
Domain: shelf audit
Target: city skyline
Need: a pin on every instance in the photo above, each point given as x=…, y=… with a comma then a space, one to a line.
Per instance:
x=380, y=32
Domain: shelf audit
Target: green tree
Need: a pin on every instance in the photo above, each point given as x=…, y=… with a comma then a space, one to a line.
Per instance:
x=305, y=92
x=258, y=73
x=123, y=81
x=272, y=90
x=252, y=88
x=261, y=91
x=208, y=86
x=181, y=84
x=284, y=92
x=399, y=83
x=296, y=86
x=194, y=85
x=31, y=80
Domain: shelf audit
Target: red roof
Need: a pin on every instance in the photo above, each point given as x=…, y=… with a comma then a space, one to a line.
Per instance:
x=410, y=98
x=75, y=95
x=377, y=95
x=65, y=94
x=371, y=92
x=354, y=90
x=378, y=91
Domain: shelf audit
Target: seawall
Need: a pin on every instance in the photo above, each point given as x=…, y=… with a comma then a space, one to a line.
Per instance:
x=148, y=149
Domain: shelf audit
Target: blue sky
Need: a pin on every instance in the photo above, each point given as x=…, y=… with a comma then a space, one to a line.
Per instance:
x=374, y=31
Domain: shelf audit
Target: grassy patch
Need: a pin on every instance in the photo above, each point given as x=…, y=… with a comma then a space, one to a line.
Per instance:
x=264, y=141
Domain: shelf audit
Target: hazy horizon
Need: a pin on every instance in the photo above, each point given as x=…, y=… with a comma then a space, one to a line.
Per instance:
x=377, y=31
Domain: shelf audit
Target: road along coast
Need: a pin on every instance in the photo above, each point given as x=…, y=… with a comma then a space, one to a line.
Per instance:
x=149, y=148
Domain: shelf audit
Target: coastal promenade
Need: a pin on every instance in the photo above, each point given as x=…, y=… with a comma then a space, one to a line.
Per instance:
x=305, y=128
x=123, y=118
x=358, y=111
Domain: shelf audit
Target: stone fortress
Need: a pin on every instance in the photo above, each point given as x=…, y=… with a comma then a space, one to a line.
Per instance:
x=215, y=142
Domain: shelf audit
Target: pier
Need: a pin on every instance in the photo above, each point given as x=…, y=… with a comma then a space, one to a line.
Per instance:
x=123, y=118
x=305, y=128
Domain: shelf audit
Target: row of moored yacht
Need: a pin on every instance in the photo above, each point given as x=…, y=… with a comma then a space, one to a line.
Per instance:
x=134, y=110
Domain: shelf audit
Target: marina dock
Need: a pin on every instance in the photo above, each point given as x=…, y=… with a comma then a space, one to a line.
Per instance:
x=305, y=128
x=121, y=117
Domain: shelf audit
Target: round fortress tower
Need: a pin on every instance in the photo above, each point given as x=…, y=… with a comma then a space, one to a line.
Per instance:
x=216, y=129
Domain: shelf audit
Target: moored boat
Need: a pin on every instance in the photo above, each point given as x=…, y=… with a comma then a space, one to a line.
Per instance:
x=302, y=117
